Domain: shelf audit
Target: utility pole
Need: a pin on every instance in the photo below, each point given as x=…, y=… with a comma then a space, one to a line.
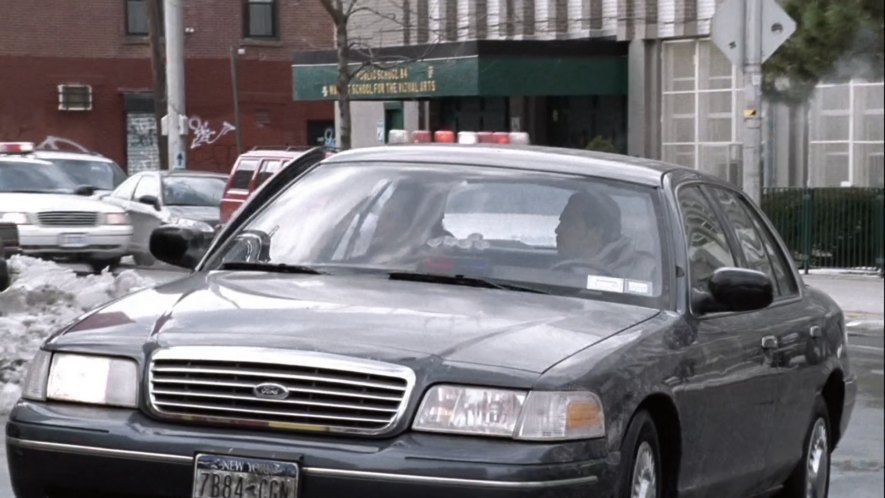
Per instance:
x=234, y=79
x=176, y=118
x=752, y=156
x=159, y=76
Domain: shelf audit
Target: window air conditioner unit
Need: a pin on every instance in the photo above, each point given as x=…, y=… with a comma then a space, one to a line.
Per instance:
x=74, y=97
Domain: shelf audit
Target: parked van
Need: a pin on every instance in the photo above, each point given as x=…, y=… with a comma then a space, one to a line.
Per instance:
x=251, y=170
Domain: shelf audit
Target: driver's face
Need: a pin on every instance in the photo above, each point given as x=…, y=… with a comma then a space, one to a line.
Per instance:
x=572, y=234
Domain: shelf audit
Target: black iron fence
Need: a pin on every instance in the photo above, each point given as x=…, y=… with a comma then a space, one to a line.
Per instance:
x=830, y=227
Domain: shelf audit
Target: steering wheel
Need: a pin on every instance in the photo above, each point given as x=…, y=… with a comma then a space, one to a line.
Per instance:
x=568, y=264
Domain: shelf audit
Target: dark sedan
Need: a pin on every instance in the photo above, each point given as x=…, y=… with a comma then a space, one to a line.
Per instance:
x=452, y=321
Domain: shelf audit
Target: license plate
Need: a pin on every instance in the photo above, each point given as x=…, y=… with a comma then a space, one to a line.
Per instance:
x=73, y=240
x=217, y=476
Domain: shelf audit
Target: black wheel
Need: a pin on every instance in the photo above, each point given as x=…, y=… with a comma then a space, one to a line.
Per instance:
x=98, y=265
x=640, y=473
x=143, y=259
x=811, y=478
x=4, y=275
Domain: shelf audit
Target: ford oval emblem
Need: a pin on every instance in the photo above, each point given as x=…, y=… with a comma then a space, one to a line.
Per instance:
x=270, y=390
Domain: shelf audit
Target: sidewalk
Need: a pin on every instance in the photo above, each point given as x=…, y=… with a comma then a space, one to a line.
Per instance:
x=861, y=297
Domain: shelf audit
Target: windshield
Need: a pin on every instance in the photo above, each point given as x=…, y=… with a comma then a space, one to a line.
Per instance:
x=561, y=234
x=193, y=191
x=31, y=177
x=99, y=174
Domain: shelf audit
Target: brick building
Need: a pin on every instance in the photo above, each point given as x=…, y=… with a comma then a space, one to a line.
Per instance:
x=78, y=75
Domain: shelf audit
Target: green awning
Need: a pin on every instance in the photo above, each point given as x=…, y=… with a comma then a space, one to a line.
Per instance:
x=470, y=75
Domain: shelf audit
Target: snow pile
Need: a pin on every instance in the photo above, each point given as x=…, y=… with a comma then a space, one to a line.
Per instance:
x=42, y=298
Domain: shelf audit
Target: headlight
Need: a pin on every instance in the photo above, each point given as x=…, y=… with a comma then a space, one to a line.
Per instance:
x=79, y=378
x=535, y=415
x=17, y=218
x=116, y=219
x=467, y=410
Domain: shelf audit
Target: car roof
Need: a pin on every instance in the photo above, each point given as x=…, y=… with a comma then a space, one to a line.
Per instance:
x=529, y=157
x=82, y=156
x=15, y=158
x=185, y=172
x=273, y=153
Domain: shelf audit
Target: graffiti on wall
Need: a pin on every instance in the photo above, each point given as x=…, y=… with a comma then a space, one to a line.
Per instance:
x=203, y=132
x=60, y=143
x=142, y=151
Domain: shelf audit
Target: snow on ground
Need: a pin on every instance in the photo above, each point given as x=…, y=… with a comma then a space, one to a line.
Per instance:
x=42, y=298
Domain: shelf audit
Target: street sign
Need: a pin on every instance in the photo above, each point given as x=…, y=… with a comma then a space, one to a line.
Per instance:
x=727, y=29
x=777, y=27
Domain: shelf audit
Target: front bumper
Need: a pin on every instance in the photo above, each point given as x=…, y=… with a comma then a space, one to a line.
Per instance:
x=59, y=450
x=101, y=241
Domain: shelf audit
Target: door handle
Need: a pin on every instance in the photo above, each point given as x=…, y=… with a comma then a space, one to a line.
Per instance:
x=815, y=332
x=769, y=342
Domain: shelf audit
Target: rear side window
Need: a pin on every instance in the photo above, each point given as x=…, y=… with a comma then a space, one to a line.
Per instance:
x=243, y=174
x=270, y=167
x=758, y=244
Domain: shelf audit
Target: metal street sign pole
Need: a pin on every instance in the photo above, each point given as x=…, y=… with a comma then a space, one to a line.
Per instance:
x=752, y=154
x=748, y=32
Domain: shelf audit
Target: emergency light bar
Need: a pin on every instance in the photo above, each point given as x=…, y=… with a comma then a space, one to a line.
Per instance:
x=16, y=147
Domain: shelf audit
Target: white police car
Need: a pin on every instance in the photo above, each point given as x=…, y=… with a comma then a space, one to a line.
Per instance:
x=55, y=218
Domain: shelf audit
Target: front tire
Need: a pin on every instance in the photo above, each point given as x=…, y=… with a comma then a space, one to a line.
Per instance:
x=144, y=259
x=4, y=275
x=640, y=473
x=98, y=265
x=811, y=478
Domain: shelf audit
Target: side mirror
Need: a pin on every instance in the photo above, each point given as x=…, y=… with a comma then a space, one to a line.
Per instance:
x=734, y=289
x=179, y=246
x=85, y=190
x=150, y=200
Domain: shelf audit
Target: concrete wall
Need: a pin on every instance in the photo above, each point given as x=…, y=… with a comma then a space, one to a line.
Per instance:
x=644, y=99
x=366, y=116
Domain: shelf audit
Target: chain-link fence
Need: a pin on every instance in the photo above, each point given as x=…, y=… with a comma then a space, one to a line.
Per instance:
x=830, y=227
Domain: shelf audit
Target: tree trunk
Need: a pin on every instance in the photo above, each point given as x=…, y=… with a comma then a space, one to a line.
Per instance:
x=158, y=69
x=342, y=43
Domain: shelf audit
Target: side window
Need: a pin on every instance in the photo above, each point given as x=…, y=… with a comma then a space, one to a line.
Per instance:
x=783, y=273
x=148, y=186
x=746, y=232
x=125, y=190
x=243, y=174
x=758, y=245
x=270, y=167
x=708, y=248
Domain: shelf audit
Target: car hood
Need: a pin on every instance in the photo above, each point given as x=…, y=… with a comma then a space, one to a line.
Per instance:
x=35, y=203
x=206, y=214
x=362, y=316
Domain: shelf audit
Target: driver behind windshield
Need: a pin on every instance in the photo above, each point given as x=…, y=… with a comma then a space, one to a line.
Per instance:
x=589, y=239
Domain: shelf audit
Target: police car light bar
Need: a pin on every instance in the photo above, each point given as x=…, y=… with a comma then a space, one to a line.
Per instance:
x=16, y=147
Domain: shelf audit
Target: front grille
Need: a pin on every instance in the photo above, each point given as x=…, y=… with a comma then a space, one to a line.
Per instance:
x=324, y=392
x=68, y=218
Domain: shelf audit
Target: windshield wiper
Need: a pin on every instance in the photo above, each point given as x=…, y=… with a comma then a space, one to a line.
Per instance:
x=270, y=267
x=462, y=280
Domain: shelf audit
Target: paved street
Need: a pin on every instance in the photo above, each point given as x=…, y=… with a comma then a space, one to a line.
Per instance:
x=859, y=462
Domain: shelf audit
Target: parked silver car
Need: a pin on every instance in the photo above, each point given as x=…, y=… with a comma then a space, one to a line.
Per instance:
x=155, y=198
